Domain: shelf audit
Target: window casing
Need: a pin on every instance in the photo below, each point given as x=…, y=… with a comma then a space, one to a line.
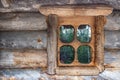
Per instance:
x=76, y=17
x=75, y=23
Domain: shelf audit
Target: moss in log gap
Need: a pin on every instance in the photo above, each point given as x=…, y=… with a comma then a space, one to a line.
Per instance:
x=66, y=33
x=84, y=54
x=67, y=54
x=84, y=33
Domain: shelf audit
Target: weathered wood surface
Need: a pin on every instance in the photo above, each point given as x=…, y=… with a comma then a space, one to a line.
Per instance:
x=33, y=5
x=112, y=39
x=78, y=71
x=36, y=21
x=23, y=58
x=113, y=21
x=38, y=58
x=52, y=43
x=99, y=45
x=36, y=74
x=112, y=59
x=5, y=3
x=23, y=40
x=22, y=74
x=22, y=21
x=38, y=39
x=76, y=10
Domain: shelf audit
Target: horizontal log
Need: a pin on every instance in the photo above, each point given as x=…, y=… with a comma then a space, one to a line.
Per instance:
x=22, y=74
x=112, y=39
x=23, y=40
x=113, y=21
x=38, y=39
x=22, y=21
x=26, y=5
x=38, y=58
x=37, y=74
x=36, y=21
x=23, y=58
x=112, y=59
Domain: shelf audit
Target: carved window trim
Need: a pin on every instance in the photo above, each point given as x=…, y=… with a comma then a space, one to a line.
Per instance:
x=57, y=16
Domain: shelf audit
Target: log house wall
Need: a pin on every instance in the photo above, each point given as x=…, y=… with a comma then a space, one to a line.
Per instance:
x=23, y=43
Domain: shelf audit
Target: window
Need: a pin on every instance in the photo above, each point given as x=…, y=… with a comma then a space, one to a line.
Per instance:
x=75, y=49
x=75, y=38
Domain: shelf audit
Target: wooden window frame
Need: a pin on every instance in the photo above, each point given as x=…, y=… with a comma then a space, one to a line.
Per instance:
x=56, y=16
x=76, y=22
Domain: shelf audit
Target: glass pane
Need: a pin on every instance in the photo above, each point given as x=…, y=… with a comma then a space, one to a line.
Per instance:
x=84, y=33
x=66, y=54
x=84, y=54
x=66, y=33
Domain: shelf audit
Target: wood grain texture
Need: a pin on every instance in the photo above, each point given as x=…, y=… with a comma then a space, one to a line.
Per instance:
x=52, y=43
x=23, y=40
x=22, y=21
x=113, y=21
x=112, y=39
x=33, y=5
x=99, y=44
x=36, y=21
x=36, y=74
x=112, y=58
x=5, y=3
x=76, y=10
x=77, y=71
x=23, y=74
x=23, y=58
x=38, y=58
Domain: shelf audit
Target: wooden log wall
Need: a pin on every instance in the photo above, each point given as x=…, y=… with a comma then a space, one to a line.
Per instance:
x=23, y=48
x=33, y=5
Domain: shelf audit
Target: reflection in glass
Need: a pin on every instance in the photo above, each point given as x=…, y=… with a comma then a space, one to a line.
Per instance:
x=84, y=54
x=66, y=33
x=66, y=54
x=84, y=33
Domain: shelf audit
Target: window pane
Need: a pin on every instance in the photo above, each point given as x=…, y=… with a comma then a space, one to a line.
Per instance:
x=66, y=33
x=66, y=54
x=84, y=54
x=84, y=33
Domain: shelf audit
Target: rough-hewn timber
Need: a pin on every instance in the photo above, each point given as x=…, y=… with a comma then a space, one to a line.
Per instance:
x=22, y=21
x=112, y=39
x=99, y=44
x=23, y=39
x=113, y=21
x=36, y=21
x=23, y=58
x=37, y=74
x=112, y=59
x=76, y=10
x=52, y=43
x=38, y=58
x=33, y=5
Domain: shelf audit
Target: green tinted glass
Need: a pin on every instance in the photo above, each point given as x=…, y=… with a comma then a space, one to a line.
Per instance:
x=66, y=33
x=84, y=54
x=84, y=33
x=66, y=54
